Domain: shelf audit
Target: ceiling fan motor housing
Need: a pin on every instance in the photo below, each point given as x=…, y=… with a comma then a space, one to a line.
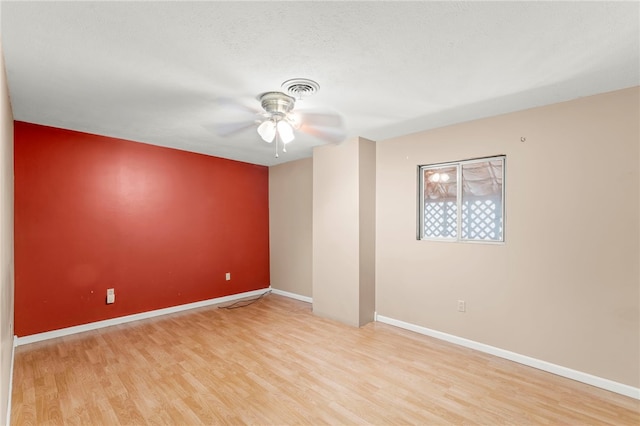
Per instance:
x=277, y=103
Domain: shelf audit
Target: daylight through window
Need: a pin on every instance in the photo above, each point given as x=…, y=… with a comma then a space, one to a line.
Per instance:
x=462, y=201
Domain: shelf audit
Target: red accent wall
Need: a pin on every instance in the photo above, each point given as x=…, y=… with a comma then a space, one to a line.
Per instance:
x=161, y=226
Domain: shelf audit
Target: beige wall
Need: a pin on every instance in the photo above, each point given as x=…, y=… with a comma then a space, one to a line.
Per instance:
x=290, y=213
x=564, y=287
x=343, y=255
x=6, y=239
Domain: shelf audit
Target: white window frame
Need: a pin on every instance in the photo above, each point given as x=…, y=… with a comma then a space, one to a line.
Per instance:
x=458, y=165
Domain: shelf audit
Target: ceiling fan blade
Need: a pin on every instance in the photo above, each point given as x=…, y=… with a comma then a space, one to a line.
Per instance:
x=320, y=119
x=231, y=103
x=324, y=125
x=228, y=129
x=333, y=135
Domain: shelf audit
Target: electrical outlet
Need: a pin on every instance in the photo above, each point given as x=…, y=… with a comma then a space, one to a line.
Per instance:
x=228, y=276
x=461, y=306
x=111, y=296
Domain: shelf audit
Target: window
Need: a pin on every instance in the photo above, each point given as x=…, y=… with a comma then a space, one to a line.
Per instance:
x=462, y=201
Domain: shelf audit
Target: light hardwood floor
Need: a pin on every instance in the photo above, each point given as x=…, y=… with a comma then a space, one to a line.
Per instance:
x=274, y=362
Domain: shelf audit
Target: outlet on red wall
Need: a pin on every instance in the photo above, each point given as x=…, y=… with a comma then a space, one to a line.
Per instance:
x=160, y=226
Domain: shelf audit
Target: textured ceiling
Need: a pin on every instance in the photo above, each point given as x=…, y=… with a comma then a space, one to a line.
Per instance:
x=151, y=71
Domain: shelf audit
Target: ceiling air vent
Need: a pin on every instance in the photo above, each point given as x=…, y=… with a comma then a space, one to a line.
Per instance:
x=300, y=87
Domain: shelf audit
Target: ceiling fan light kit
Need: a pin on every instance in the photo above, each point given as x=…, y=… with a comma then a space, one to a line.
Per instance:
x=279, y=123
x=269, y=128
x=285, y=131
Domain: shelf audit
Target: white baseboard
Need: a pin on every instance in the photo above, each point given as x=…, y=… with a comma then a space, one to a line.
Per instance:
x=292, y=295
x=569, y=373
x=24, y=340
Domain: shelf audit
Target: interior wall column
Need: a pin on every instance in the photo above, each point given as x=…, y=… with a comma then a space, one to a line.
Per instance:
x=343, y=277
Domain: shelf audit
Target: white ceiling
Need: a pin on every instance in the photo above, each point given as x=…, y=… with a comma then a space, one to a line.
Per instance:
x=151, y=71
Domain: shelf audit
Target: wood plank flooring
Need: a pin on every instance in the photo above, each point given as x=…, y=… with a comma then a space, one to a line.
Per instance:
x=275, y=363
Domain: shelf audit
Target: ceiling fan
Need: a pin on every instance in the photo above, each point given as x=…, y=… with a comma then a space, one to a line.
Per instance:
x=278, y=122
